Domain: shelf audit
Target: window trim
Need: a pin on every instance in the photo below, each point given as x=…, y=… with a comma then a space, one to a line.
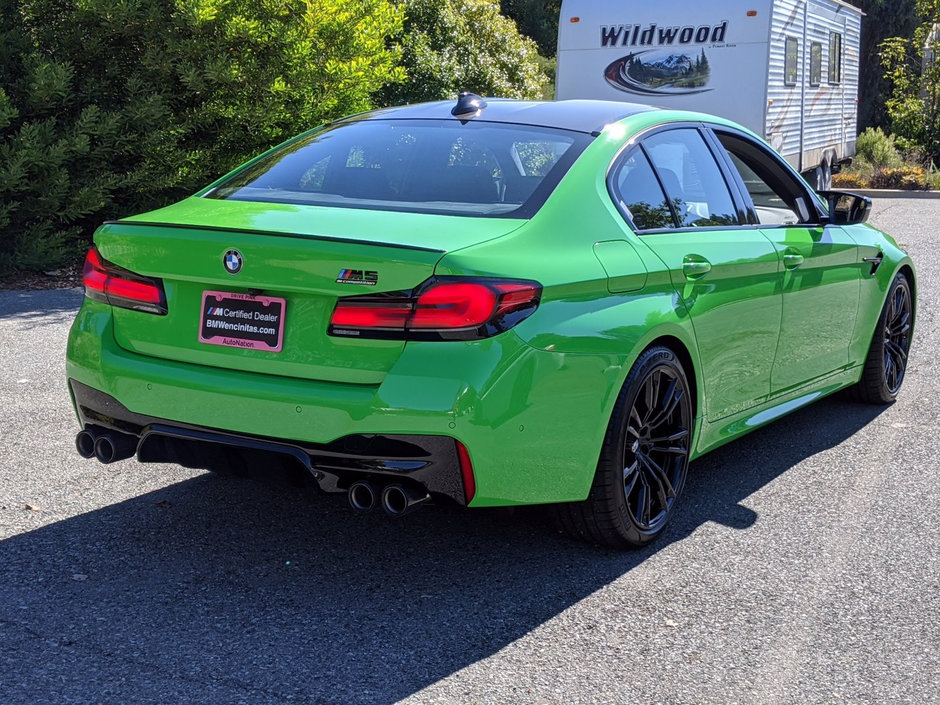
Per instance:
x=787, y=71
x=728, y=174
x=813, y=200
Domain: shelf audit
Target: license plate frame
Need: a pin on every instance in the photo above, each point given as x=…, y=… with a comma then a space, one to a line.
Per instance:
x=242, y=321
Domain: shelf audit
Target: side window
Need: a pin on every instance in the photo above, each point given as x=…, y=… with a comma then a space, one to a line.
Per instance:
x=779, y=199
x=835, y=57
x=691, y=177
x=815, y=64
x=636, y=187
x=791, y=61
x=536, y=158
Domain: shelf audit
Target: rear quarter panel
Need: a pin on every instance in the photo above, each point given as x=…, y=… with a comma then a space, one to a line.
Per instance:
x=583, y=338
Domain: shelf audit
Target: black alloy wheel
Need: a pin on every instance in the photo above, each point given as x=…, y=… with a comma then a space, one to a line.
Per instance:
x=644, y=460
x=887, y=358
x=897, y=335
x=656, y=448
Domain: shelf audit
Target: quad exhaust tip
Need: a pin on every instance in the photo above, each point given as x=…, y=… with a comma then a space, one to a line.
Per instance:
x=85, y=444
x=398, y=500
x=362, y=497
x=395, y=499
x=106, y=446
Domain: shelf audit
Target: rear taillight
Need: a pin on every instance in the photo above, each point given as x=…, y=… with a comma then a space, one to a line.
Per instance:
x=113, y=285
x=445, y=308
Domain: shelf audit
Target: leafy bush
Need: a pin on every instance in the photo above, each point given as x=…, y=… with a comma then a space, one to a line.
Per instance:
x=453, y=45
x=107, y=108
x=909, y=178
x=877, y=150
x=849, y=180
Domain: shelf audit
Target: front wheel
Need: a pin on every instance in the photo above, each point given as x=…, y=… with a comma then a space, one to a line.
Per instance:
x=886, y=362
x=644, y=459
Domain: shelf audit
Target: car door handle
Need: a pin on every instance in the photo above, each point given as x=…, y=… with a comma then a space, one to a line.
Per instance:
x=694, y=266
x=792, y=260
x=875, y=262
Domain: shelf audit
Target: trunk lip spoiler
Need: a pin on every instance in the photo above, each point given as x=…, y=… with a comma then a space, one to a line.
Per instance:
x=275, y=233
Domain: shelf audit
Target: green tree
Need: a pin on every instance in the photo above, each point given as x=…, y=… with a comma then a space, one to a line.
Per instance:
x=913, y=68
x=883, y=19
x=454, y=45
x=537, y=19
x=110, y=107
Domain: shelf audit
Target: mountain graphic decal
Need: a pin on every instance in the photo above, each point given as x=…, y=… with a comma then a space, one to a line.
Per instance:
x=659, y=73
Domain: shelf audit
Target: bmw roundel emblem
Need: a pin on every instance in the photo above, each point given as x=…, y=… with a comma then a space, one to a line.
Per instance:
x=232, y=261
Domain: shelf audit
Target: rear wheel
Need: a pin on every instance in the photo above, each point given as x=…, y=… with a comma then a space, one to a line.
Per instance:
x=644, y=459
x=887, y=357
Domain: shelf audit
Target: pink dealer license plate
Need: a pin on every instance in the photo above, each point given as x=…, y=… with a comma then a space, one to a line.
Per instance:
x=242, y=321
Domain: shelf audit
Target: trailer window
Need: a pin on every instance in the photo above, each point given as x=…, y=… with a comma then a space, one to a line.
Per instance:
x=835, y=57
x=791, y=61
x=815, y=64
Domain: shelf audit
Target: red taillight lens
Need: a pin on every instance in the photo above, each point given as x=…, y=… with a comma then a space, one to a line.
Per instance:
x=112, y=285
x=447, y=308
x=352, y=314
x=454, y=305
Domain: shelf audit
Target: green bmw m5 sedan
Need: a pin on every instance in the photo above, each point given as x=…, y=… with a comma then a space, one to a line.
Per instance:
x=492, y=302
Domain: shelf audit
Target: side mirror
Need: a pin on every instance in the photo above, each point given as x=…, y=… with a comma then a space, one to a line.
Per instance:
x=847, y=208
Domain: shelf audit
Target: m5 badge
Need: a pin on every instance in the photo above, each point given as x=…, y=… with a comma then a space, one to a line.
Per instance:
x=366, y=277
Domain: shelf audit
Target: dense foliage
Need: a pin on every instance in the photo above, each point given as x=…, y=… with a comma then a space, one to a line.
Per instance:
x=108, y=107
x=454, y=45
x=913, y=67
x=883, y=19
x=111, y=107
x=537, y=19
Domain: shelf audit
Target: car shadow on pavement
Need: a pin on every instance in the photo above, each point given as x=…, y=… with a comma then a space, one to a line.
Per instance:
x=225, y=590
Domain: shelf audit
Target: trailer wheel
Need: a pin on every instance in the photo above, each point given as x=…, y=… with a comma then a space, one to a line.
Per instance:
x=824, y=176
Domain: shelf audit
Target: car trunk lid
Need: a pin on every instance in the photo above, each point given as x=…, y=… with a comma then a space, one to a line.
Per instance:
x=296, y=262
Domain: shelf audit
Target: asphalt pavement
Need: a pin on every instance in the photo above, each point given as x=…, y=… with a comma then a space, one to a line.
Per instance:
x=802, y=567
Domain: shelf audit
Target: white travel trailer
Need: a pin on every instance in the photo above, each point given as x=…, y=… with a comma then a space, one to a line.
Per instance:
x=786, y=69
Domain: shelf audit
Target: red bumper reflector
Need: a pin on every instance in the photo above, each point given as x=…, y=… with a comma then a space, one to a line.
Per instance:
x=466, y=471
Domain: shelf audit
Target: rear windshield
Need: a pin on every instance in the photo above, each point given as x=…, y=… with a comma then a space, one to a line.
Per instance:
x=423, y=166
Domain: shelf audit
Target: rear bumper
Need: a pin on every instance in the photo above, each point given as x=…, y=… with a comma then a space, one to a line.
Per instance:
x=532, y=421
x=429, y=461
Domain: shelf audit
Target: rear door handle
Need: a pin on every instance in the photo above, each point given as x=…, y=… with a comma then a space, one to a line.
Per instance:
x=792, y=260
x=694, y=266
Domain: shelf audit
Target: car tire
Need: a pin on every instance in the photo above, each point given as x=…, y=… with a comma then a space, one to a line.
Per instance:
x=644, y=459
x=886, y=362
